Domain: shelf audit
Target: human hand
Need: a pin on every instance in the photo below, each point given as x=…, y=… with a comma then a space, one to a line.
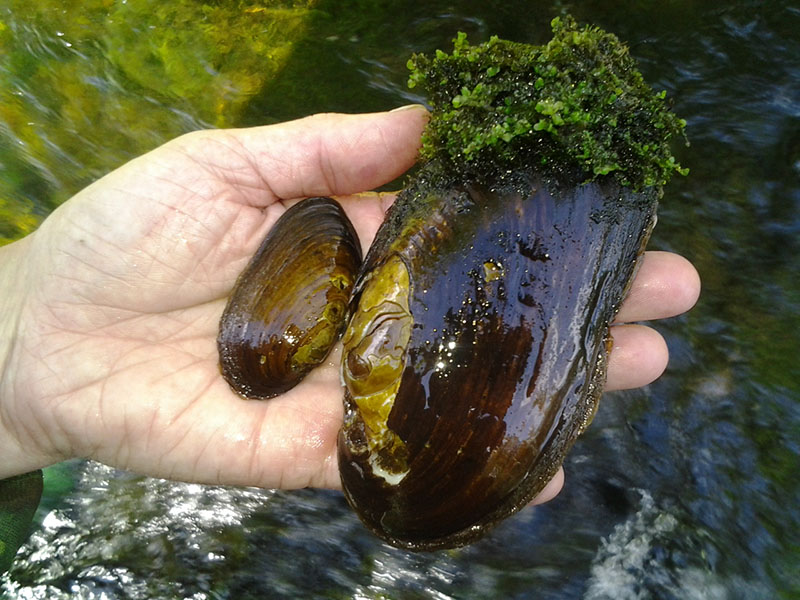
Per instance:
x=111, y=309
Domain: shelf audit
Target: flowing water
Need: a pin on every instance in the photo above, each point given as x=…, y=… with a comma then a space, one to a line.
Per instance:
x=687, y=489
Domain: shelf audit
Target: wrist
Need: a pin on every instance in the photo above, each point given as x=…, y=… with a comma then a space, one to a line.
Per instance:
x=13, y=259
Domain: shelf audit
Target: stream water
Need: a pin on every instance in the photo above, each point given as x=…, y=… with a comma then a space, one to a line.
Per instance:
x=686, y=489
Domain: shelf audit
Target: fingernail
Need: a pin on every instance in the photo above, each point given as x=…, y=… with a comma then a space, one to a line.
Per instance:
x=408, y=107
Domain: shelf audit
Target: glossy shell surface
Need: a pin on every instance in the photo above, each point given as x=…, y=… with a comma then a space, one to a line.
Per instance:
x=476, y=351
x=289, y=306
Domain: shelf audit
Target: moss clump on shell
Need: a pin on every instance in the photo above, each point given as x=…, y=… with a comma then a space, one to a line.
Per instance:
x=578, y=101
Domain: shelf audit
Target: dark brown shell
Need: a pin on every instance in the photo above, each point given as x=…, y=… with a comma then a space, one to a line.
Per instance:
x=289, y=306
x=477, y=352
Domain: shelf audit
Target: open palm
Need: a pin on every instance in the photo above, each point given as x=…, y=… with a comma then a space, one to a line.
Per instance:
x=118, y=297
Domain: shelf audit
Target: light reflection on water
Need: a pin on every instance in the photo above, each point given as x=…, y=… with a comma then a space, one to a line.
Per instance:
x=627, y=565
x=121, y=536
x=82, y=548
x=688, y=489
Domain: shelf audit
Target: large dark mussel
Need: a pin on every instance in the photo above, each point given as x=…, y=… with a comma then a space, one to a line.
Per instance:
x=476, y=349
x=476, y=354
x=289, y=306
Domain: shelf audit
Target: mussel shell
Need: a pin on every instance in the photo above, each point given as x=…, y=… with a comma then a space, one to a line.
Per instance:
x=289, y=306
x=493, y=303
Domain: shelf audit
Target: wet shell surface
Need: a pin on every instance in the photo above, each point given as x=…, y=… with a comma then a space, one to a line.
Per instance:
x=289, y=306
x=478, y=333
x=476, y=352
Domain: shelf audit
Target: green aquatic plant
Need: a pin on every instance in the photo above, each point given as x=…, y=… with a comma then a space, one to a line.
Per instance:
x=214, y=56
x=578, y=100
x=17, y=219
x=81, y=95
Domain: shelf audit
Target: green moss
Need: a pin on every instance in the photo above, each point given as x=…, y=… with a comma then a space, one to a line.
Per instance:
x=577, y=101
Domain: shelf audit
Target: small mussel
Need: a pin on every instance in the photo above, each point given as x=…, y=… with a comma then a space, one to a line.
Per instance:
x=476, y=354
x=289, y=306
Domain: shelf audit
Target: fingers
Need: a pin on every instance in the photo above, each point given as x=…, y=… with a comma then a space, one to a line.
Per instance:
x=638, y=356
x=552, y=489
x=334, y=154
x=666, y=285
x=366, y=212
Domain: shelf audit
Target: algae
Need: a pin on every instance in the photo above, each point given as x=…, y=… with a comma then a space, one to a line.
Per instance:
x=17, y=219
x=578, y=100
x=87, y=85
